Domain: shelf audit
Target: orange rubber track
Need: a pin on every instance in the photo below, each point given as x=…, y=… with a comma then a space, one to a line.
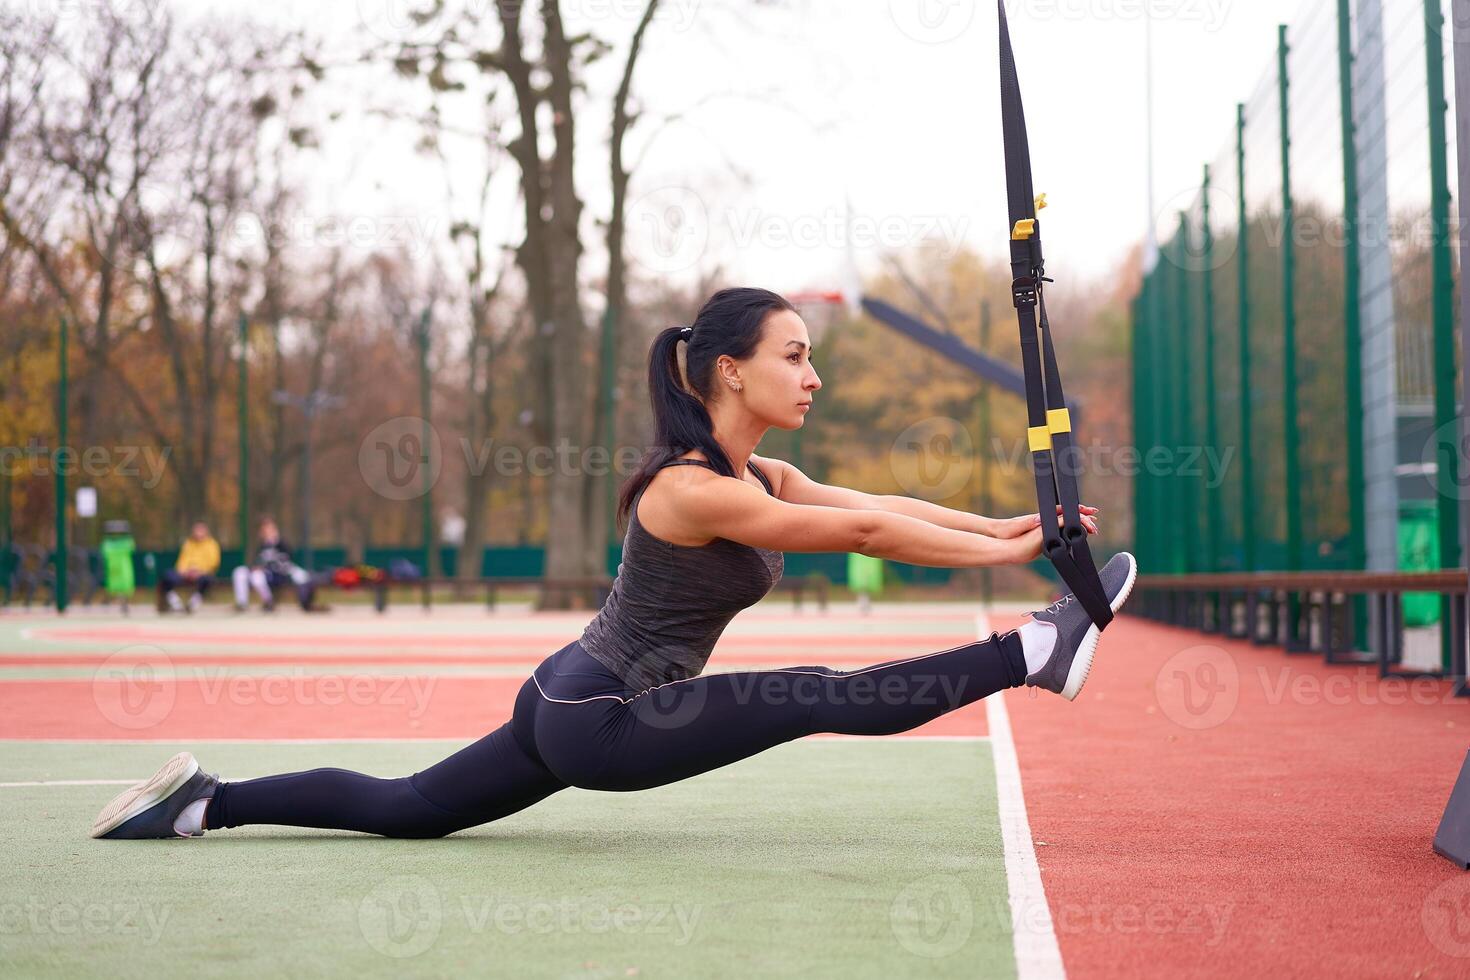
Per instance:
x=1212, y=808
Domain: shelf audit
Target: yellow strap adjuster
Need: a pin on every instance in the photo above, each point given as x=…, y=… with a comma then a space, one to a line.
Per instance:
x=1058, y=420
x=1024, y=229
x=1040, y=201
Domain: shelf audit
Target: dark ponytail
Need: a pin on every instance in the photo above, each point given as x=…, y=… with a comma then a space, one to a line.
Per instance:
x=729, y=323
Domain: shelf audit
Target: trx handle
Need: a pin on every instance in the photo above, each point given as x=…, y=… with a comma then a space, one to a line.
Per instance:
x=1049, y=432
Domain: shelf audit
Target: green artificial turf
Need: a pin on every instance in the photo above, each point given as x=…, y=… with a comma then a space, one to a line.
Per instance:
x=821, y=858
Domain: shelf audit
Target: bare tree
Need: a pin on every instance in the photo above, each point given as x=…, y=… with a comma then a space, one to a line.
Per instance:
x=598, y=485
x=143, y=143
x=93, y=141
x=542, y=66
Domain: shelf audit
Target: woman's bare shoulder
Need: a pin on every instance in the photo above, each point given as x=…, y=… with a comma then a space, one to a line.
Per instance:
x=774, y=469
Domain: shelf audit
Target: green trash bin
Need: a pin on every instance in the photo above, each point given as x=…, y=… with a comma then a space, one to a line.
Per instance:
x=117, y=560
x=1419, y=552
x=864, y=574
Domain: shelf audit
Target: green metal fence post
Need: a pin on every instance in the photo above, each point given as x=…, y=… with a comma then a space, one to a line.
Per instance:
x=1149, y=434
x=1168, y=417
x=242, y=412
x=1164, y=371
x=1247, y=476
x=426, y=514
x=1135, y=348
x=1212, y=432
x=1181, y=331
x=1154, y=420
x=1288, y=343
x=5, y=533
x=57, y=463
x=1352, y=319
x=1447, y=450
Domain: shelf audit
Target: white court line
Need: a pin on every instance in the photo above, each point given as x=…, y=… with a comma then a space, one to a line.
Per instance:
x=1038, y=957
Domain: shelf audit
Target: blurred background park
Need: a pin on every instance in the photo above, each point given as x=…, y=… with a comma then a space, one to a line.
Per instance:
x=386, y=271
x=349, y=303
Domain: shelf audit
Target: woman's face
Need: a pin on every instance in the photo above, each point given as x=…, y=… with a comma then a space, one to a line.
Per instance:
x=778, y=378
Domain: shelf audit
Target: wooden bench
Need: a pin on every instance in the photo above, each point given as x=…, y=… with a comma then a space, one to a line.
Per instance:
x=798, y=587
x=601, y=585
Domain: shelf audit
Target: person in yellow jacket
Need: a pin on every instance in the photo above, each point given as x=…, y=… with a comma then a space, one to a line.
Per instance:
x=198, y=561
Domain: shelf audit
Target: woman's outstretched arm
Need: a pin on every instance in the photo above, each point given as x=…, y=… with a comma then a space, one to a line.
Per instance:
x=724, y=507
x=795, y=487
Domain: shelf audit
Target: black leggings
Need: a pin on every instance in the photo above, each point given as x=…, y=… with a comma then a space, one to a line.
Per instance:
x=576, y=724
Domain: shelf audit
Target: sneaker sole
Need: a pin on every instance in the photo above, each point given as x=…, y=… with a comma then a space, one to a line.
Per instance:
x=1082, y=663
x=131, y=802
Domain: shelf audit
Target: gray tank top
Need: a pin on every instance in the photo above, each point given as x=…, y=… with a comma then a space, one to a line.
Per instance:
x=669, y=603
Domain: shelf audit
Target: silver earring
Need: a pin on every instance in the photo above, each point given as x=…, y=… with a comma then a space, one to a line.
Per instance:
x=734, y=386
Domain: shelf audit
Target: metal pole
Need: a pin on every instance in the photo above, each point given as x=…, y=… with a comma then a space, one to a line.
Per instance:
x=1164, y=418
x=1447, y=452
x=1188, y=512
x=57, y=460
x=1242, y=286
x=1168, y=430
x=1212, y=435
x=5, y=532
x=1288, y=343
x=1135, y=350
x=308, y=414
x=242, y=414
x=1288, y=303
x=1161, y=421
x=1148, y=400
x=1352, y=319
x=426, y=498
x=1460, y=10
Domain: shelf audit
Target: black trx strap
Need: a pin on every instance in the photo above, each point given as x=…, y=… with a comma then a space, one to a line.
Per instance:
x=1050, y=431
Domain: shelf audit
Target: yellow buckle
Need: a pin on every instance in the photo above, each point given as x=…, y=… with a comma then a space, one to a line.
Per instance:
x=1040, y=201
x=1024, y=229
x=1058, y=420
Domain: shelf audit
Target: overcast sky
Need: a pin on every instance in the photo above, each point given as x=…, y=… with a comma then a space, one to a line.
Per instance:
x=891, y=105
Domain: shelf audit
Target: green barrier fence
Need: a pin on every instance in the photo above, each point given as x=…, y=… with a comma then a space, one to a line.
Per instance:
x=1294, y=343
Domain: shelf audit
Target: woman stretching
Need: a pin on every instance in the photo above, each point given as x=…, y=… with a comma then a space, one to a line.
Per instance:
x=625, y=706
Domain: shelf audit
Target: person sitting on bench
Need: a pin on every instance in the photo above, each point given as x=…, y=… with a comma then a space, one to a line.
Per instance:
x=197, y=563
x=272, y=567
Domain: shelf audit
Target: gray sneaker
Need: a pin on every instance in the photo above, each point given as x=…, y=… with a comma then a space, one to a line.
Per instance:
x=1065, y=671
x=148, y=810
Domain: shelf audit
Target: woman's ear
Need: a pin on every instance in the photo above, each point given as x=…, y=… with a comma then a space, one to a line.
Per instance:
x=728, y=370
